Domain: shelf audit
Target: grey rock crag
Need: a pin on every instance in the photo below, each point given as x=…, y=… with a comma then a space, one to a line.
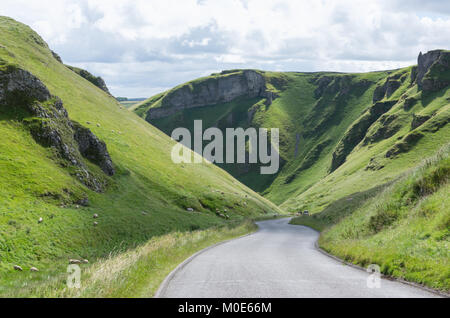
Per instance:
x=93, y=148
x=432, y=71
x=57, y=57
x=96, y=80
x=22, y=94
x=219, y=89
x=390, y=86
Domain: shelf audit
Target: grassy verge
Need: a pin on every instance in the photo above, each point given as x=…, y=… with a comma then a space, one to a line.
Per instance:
x=404, y=228
x=337, y=210
x=135, y=273
x=312, y=222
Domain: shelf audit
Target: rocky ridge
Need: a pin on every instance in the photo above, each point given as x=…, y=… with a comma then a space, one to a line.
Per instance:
x=432, y=72
x=221, y=88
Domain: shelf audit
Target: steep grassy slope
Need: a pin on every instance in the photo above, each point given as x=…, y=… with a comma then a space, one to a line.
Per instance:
x=403, y=227
x=413, y=127
x=35, y=185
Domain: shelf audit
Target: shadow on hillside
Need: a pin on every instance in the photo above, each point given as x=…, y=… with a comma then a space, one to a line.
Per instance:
x=428, y=98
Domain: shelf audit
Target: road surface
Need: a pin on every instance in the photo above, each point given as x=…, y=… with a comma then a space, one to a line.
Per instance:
x=279, y=261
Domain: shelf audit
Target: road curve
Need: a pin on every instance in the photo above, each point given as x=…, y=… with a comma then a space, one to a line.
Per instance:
x=279, y=261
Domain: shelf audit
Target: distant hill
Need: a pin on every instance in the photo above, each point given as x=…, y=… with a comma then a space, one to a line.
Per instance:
x=129, y=102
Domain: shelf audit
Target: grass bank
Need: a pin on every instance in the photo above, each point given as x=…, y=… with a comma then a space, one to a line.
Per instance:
x=135, y=273
x=404, y=227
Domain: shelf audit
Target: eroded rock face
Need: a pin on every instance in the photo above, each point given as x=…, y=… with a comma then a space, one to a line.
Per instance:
x=57, y=57
x=338, y=86
x=100, y=82
x=390, y=86
x=93, y=148
x=322, y=84
x=425, y=61
x=357, y=132
x=22, y=92
x=418, y=121
x=211, y=91
x=387, y=128
x=431, y=70
x=96, y=80
x=405, y=145
x=24, y=85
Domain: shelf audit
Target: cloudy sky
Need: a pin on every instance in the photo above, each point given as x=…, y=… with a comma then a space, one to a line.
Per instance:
x=142, y=47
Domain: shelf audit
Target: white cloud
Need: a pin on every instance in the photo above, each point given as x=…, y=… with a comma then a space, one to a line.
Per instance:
x=144, y=45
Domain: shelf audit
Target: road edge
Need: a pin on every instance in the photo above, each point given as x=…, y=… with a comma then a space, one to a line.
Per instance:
x=386, y=277
x=165, y=284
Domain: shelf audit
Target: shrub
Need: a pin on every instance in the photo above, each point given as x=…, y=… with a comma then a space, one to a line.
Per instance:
x=430, y=183
x=382, y=219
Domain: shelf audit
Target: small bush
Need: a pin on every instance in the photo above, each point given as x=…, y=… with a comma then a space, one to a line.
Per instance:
x=384, y=218
x=431, y=182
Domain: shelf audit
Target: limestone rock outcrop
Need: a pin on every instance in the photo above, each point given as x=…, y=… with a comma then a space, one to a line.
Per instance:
x=57, y=57
x=25, y=96
x=93, y=148
x=21, y=86
x=96, y=80
x=390, y=86
x=221, y=88
x=432, y=72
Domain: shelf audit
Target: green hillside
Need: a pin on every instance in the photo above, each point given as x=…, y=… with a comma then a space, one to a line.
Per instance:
x=403, y=227
x=147, y=196
x=339, y=133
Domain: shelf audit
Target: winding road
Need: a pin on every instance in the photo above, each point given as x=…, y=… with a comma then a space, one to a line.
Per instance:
x=279, y=261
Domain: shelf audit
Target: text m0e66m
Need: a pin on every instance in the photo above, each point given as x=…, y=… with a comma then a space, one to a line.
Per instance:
x=247, y=308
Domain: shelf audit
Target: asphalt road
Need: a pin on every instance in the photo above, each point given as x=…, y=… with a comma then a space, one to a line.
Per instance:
x=279, y=261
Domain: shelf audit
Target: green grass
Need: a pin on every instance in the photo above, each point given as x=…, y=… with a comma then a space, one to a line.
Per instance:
x=337, y=211
x=135, y=273
x=403, y=227
x=34, y=184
